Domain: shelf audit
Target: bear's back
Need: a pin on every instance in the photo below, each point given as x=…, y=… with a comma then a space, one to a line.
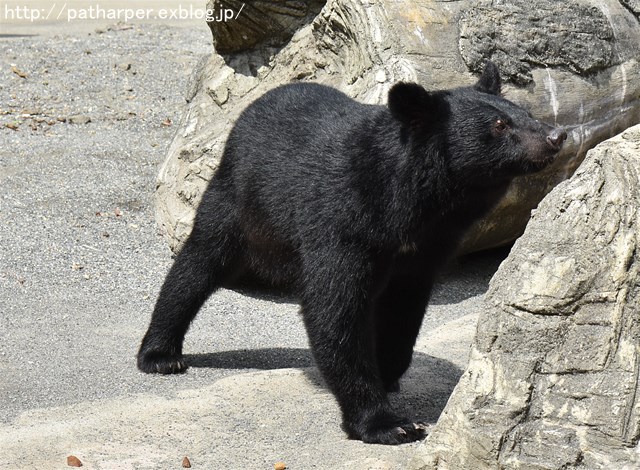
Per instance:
x=291, y=145
x=295, y=120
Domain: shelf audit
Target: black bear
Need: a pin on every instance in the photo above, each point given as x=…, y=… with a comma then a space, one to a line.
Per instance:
x=354, y=208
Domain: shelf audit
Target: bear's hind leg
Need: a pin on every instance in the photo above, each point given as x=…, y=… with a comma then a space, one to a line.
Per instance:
x=208, y=258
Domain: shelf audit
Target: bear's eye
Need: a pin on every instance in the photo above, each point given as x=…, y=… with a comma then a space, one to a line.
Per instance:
x=501, y=126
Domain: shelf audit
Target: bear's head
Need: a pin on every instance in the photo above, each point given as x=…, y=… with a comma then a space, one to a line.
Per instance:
x=481, y=135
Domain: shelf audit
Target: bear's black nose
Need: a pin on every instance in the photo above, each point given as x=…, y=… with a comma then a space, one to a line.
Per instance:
x=556, y=138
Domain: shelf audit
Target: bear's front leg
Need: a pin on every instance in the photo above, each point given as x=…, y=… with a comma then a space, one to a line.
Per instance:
x=399, y=311
x=340, y=284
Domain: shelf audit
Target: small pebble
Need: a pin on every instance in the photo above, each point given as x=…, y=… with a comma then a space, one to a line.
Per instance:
x=79, y=119
x=73, y=461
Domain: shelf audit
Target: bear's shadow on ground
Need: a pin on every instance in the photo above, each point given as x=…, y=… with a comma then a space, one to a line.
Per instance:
x=423, y=394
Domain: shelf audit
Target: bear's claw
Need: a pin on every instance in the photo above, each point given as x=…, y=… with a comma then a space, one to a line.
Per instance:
x=155, y=362
x=402, y=434
x=386, y=428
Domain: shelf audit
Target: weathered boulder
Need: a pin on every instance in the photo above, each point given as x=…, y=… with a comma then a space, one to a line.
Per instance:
x=572, y=63
x=553, y=378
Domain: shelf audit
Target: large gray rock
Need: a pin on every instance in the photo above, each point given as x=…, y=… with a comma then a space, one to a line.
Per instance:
x=552, y=380
x=572, y=63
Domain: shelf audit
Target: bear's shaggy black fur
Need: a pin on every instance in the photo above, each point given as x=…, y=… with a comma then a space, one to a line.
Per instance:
x=355, y=208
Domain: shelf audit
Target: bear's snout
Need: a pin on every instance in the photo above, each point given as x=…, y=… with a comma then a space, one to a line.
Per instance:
x=556, y=138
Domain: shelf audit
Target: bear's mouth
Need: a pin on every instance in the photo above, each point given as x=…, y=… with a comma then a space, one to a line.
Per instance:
x=547, y=160
x=542, y=161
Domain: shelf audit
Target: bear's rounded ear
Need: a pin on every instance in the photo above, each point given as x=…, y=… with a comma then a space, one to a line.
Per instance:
x=490, y=80
x=409, y=102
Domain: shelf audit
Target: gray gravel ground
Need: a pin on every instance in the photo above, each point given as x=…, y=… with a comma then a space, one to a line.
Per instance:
x=82, y=262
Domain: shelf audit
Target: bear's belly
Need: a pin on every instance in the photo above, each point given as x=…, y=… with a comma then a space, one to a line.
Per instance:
x=267, y=263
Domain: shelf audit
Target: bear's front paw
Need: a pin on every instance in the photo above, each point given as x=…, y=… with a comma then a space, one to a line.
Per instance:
x=160, y=362
x=387, y=428
x=404, y=432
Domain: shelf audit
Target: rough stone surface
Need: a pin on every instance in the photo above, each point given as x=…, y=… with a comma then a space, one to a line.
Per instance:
x=580, y=68
x=523, y=34
x=552, y=380
x=633, y=6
